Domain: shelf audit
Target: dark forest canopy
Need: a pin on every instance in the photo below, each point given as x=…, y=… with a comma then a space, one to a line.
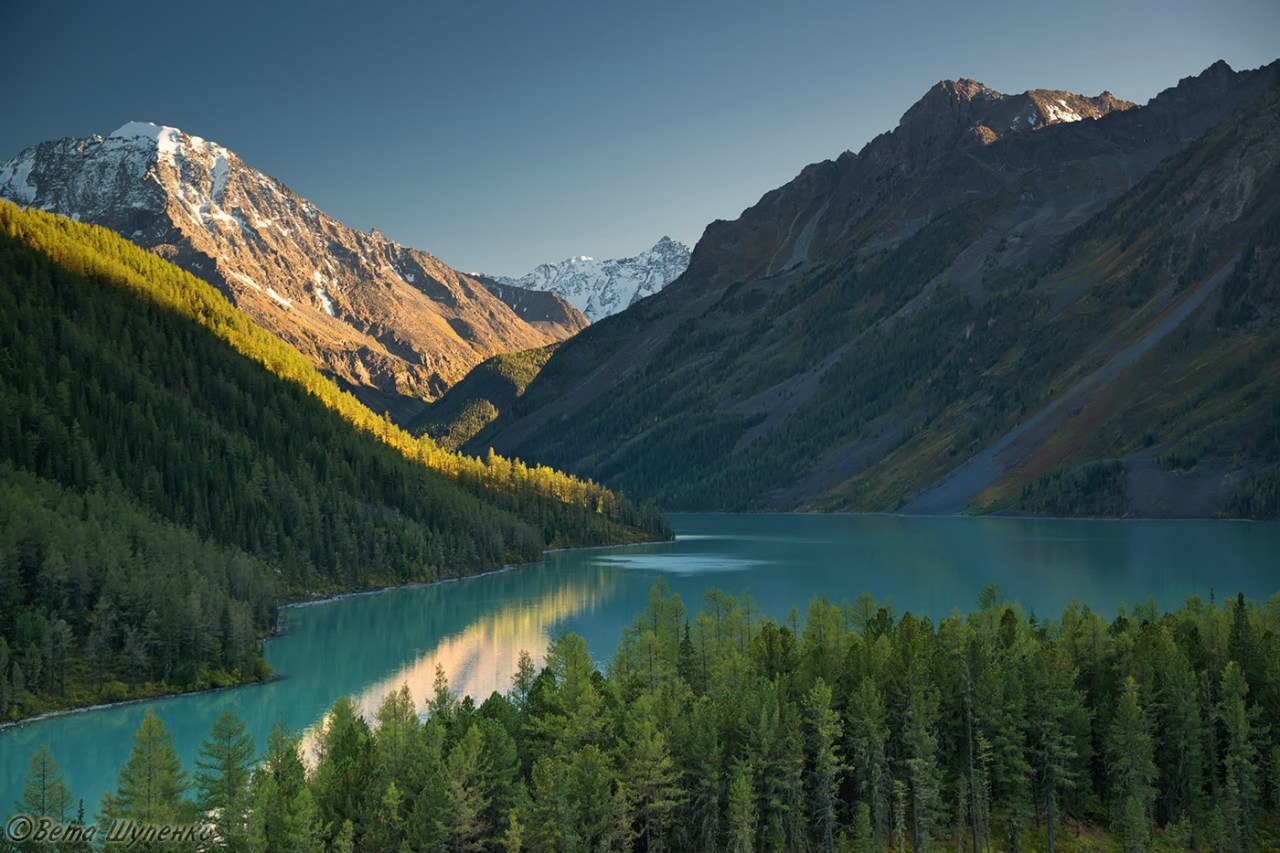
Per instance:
x=161, y=490
x=723, y=730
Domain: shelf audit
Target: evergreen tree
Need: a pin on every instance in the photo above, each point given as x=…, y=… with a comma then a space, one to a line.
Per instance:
x=1131, y=768
x=648, y=776
x=222, y=778
x=44, y=792
x=702, y=761
x=742, y=809
x=345, y=764
x=1053, y=705
x=1241, y=786
x=283, y=813
x=574, y=708
x=825, y=763
x=868, y=743
x=466, y=796
x=548, y=814
x=598, y=805
x=397, y=741
x=152, y=782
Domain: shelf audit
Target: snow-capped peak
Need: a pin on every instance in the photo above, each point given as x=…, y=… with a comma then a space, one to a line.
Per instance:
x=599, y=288
x=134, y=129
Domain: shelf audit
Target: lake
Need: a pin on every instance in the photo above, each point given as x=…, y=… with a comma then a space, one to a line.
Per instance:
x=367, y=645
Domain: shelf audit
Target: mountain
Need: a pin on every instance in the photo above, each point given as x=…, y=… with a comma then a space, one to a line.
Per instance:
x=545, y=310
x=169, y=471
x=1025, y=303
x=393, y=323
x=492, y=387
x=600, y=288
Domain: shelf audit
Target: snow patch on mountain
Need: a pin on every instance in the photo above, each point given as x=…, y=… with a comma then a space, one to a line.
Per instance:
x=599, y=288
x=323, y=295
x=14, y=180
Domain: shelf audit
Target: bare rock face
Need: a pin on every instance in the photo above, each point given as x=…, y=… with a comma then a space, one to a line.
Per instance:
x=390, y=321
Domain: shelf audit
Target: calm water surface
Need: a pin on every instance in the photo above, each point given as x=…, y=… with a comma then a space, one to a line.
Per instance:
x=367, y=645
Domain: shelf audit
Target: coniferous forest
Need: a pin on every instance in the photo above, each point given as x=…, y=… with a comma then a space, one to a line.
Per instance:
x=169, y=472
x=866, y=730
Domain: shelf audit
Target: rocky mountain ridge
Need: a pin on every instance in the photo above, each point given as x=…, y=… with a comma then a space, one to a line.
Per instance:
x=393, y=323
x=599, y=288
x=887, y=316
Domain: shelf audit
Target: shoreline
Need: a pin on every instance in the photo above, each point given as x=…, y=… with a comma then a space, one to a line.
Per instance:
x=102, y=706
x=360, y=593
x=289, y=605
x=338, y=596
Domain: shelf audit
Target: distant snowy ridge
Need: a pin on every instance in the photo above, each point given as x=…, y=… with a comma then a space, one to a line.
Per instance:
x=599, y=288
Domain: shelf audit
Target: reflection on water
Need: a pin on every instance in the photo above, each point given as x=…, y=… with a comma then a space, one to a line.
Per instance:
x=361, y=646
x=481, y=658
x=681, y=564
x=367, y=646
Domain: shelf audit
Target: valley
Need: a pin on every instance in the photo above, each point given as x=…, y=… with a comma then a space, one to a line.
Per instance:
x=932, y=501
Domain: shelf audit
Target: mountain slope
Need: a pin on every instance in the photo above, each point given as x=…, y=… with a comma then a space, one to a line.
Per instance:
x=154, y=442
x=890, y=315
x=393, y=323
x=492, y=387
x=545, y=310
x=599, y=288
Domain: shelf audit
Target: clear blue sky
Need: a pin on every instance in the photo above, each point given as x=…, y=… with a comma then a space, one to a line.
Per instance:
x=499, y=135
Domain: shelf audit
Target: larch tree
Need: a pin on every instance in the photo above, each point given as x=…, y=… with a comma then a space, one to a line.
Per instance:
x=44, y=791
x=152, y=783
x=222, y=778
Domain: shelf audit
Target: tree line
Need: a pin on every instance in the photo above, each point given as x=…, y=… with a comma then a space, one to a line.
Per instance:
x=866, y=730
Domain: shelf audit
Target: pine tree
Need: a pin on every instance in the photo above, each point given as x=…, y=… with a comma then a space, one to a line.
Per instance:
x=1181, y=751
x=701, y=760
x=921, y=747
x=344, y=841
x=466, y=794
x=573, y=707
x=597, y=804
x=397, y=740
x=1131, y=768
x=222, y=778
x=1053, y=702
x=277, y=792
x=648, y=775
x=868, y=743
x=826, y=766
x=345, y=764
x=742, y=809
x=548, y=813
x=1242, y=790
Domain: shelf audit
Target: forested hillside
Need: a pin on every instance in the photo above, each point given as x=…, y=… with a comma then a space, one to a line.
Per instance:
x=488, y=390
x=868, y=730
x=170, y=470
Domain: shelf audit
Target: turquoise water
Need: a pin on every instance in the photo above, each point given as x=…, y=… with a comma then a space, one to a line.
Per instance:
x=366, y=645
